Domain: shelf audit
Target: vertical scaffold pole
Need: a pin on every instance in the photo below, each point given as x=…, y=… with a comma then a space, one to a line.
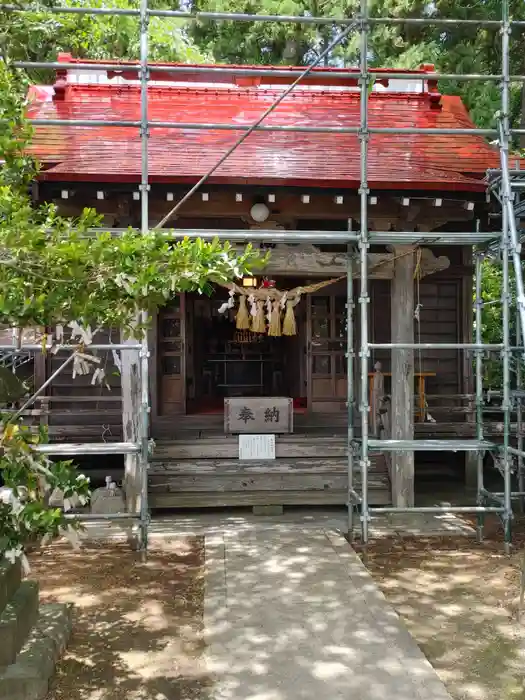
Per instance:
x=478, y=309
x=144, y=227
x=363, y=255
x=350, y=383
x=505, y=103
x=519, y=411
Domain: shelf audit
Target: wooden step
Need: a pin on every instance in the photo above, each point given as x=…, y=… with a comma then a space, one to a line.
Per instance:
x=227, y=447
x=213, y=499
x=223, y=482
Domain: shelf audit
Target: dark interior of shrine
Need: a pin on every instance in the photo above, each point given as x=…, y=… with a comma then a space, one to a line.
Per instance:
x=228, y=362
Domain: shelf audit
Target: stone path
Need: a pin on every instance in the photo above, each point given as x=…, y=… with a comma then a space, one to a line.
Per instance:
x=239, y=520
x=292, y=614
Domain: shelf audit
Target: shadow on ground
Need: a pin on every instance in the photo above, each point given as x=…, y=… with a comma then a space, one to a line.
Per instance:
x=137, y=631
x=459, y=599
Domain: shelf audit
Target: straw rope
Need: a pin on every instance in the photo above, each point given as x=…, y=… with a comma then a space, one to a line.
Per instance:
x=278, y=304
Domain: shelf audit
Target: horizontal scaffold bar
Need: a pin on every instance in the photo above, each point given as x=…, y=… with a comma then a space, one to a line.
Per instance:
x=240, y=71
x=435, y=346
x=245, y=17
x=430, y=445
x=36, y=348
x=514, y=451
x=269, y=235
x=432, y=237
x=377, y=237
x=88, y=448
x=94, y=517
x=435, y=509
x=277, y=127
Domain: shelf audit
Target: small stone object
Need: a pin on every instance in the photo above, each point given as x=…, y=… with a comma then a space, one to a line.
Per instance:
x=108, y=499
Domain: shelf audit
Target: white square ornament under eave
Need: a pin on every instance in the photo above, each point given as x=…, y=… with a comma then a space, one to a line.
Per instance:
x=257, y=446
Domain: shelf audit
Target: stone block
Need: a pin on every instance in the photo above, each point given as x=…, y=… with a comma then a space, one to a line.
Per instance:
x=17, y=620
x=28, y=678
x=267, y=510
x=107, y=501
x=10, y=579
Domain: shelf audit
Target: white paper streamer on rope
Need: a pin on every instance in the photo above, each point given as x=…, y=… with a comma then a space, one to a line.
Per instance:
x=253, y=305
x=268, y=305
x=223, y=308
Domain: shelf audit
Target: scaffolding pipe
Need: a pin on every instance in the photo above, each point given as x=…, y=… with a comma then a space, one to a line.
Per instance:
x=519, y=416
x=478, y=310
x=56, y=348
x=315, y=236
x=250, y=128
x=247, y=17
x=431, y=445
x=516, y=451
x=320, y=57
x=436, y=509
x=262, y=235
x=363, y=132
x=363, y=254
x=249, y=72
x=94, y=517
x=509, y=240
x=436, y=346
x=350, y=384
x=144, y=225
x=87, y=448
x=508, y=210
x=42, y=388
x=501, y=494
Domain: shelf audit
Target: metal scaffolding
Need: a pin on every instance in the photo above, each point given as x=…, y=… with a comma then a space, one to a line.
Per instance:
x=504, y=183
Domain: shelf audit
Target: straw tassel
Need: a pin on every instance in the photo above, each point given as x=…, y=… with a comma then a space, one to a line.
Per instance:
x=275, y=320
x=243, y=318
x=289, y=324
x=258, y=321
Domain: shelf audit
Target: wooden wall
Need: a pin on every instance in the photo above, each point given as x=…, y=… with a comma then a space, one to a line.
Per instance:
x=439, y=322
x=445, y=316
x=79, y=409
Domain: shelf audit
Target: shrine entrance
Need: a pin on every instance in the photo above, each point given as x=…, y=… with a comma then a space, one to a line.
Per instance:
x=205, y=357
x=224, y=361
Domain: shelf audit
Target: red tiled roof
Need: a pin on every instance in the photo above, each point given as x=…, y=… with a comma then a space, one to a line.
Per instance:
x=112, y=154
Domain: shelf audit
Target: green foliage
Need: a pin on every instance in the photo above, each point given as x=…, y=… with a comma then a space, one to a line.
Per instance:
x=453, y=48
x=40, y=35
x=54, y=272
x=29, y=479
x=491, y=322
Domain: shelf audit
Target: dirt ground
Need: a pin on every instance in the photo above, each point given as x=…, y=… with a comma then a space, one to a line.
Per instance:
x=460, y=600
x=137, y=632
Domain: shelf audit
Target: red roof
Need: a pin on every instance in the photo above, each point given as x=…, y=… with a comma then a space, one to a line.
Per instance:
x=112, y=154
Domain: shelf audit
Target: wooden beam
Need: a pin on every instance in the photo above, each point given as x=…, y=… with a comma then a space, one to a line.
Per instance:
x=306, y=259
x=131, y=404
x=153, y=364
x=288, y=206
x=402, y=330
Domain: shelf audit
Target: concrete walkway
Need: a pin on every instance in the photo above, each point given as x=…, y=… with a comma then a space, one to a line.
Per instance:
x=314, y=519
x=293, y=614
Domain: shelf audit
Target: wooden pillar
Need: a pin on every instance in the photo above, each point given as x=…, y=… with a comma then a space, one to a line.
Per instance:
x=467, y=384
x=131, y=404
x=402, y=323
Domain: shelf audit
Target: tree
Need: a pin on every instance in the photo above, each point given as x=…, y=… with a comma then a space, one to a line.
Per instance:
x=54, y=272
x=453, y=49
x=41, y=35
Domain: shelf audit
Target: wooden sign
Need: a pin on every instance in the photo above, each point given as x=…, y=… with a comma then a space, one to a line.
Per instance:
x=257, y=446
x=258, y=415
